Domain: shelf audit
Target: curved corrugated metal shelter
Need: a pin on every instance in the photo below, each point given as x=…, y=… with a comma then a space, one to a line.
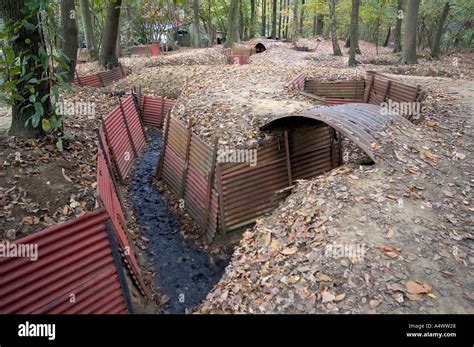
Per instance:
x=361, y=123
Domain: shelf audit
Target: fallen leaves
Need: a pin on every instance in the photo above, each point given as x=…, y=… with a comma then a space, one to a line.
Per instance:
x=392, y=252
x=289, y=251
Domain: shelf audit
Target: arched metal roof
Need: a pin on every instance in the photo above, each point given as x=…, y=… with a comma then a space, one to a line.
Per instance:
x=361, y=123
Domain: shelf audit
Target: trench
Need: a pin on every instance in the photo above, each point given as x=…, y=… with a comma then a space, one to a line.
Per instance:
x=183, y=272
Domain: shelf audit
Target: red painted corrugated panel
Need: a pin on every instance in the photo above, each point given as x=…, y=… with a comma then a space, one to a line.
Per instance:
x=119, y=142
x=297, y=83
x=75, y=271
x=101, y=79
x=134, y=122
x=155, y=110
x=108, y=198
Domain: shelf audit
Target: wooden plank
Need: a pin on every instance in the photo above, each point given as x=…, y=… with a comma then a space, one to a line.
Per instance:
x=210, y=182
x=186, y=159
x=159, y=170
x=312, y=96
x=288, y=159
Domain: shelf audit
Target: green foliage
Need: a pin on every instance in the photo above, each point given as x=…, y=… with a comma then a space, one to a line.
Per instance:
x=19, y=65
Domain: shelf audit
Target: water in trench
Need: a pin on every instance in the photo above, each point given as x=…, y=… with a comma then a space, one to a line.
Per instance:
x=184, y=273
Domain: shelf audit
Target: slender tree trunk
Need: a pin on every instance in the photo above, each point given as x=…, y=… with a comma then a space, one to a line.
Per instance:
x=319, y=24
x=89, y=30
x=241, y=22
x=264, y=18
x=287, y=18
x=196, y=35
x=354, y=33
x=387, y=38
x=409, y=40
x=210, y=26
x=108, y=54
x=295, y=21
x=398, y=28
x=23, y=110
x=332, y=28
x=280, y=19
x=253, y=18
x=301, y=28
x=274, y=19
x=439, y=31
x=233, y=24
x=69, y=37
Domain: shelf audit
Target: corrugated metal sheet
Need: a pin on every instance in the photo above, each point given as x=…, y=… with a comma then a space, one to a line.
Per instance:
x=381, y=88
x=336, y=93
x=362, y=123
x=109, y=199
x=297, y=83
x=125, y=136
x=147, y=50
x=101, y=79
x=239, y=59
x=155, y=109
x=74, y=258
x=312, y=151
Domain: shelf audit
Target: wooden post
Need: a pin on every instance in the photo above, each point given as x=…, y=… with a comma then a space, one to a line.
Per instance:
x=112, y=151
x=186, y=159
x=129, y=133
x=159, y=170
x=288, y=159
x=387, y=90
x=369, y=88
x=162, y=116
x=221, y=199
x=208, y=201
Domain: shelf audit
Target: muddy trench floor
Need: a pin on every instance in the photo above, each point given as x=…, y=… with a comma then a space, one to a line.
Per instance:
x=183, y=272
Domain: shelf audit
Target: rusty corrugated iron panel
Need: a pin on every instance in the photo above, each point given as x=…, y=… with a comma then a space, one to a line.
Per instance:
x=146, y=50
x=134, y=123
x=121, y=147
x=297, y=83
x=109, y=199
x=381, y=88
x=155, y=110
x=311, y=150
x=101, y=79
x=362, y=123
x=340, y=92
x=74, y=258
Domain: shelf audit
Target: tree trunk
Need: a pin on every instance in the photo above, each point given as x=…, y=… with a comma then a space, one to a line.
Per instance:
x=108, y=54
x=233, y=24
x=319, y=24
x=264, y=18
x=89, y=30
x=253, y=19
x=354, y=33
x=22, y=124
x=439, y=31
x=301, y=28
x=387, y=38
x=196, y=35
x=398, y=28
x=280, y=19
x=332, y=28
x=69, y=37
x=287, y=18
x=295, y=21
x=210, y=26
x=409, y=40
x=274, y=19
